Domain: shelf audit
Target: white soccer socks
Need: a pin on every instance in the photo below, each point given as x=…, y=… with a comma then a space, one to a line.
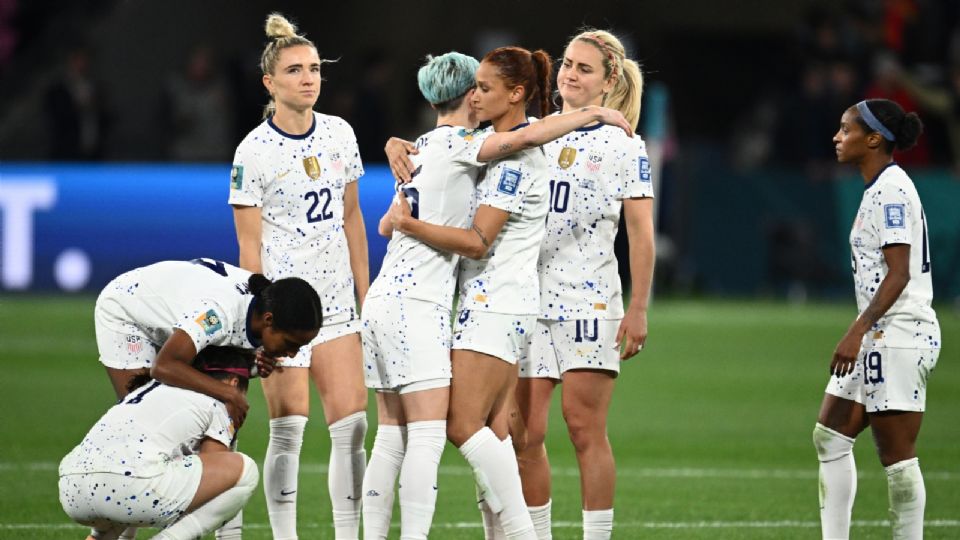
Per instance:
x=838, y=481
x=541, y=520
x=220, y=509
x=597, y=524
x=345, y=473
x=380, y=478
x=908, y=496
x=130, y=533
x=280, y=469
x=498, y=476
x=418, y=477
x=231, y=530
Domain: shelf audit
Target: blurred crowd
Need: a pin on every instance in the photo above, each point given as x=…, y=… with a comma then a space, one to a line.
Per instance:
x=904, y=50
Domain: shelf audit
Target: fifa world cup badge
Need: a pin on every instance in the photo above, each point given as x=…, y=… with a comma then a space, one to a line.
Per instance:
x=567, y=156
x=312, y=167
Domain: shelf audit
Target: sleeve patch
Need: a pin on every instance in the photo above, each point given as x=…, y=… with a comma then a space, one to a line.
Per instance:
x=236, y=177
x=209, y=322
x=644, y=169
x=509, y=180
x=894, y=216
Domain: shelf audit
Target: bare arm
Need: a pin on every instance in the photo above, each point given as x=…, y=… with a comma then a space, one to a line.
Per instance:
x=638, y=215
x=247, y=221
x=504, y=143
x=172, y=367
x=356, y=235
x=473, y=242
x=385, y=228
x=897, y=257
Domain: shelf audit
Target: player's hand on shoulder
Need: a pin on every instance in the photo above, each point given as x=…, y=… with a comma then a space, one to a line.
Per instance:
x=613, y=117
x=398, y=156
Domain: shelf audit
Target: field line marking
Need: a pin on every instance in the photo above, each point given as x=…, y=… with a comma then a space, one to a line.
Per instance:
x=622, y=472
x=783, y=524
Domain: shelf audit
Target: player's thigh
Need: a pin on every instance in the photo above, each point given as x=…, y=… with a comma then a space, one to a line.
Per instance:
x=478, y=381
x=287, y=392
x=585, y=398
x=337, y=370
x=845, y=416
x=389, y=408
x=428, y=404
x=221, y=470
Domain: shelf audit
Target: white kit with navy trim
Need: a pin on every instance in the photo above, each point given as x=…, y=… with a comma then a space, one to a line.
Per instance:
x=592, y=170
x=299, y=182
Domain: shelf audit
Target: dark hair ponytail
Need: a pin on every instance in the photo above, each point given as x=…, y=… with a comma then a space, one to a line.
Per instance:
x=216, y=361
x=531, y=70
x=294, y=303
x=905, y=127
x=544, y=67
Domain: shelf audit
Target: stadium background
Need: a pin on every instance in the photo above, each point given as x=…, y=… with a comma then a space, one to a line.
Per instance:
x=118, y=122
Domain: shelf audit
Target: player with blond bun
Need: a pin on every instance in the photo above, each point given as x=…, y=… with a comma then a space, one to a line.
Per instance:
x=596, y=172
x=296, y=209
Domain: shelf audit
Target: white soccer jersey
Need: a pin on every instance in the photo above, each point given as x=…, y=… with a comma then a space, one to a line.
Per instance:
x=505, y=281
x=209, y=300
x=442, y=189
x=153, y=424
x=592, y=170
x=299, y=182
x=890, y=213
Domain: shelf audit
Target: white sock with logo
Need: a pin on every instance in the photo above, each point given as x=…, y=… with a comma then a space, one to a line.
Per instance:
x=498, y=476
x=280, y=469
x=379, y=480
x=348, y=459
x=418, y=477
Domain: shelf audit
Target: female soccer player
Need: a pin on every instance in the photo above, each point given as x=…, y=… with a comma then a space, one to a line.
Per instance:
x=160, y=458
x=157, y=317
x=408, y=361
x=596, y=171
x=881, y=365
x=499, y=294
x=297, y=213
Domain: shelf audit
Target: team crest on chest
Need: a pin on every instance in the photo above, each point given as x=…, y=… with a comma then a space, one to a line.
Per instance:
x=311, y=165
x=567, y=157
x=593, y=161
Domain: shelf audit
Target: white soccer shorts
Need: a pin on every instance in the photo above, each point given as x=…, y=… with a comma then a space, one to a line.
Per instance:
x=501, y=335
x=405, y=341
x=555, y=347
x=887, y=379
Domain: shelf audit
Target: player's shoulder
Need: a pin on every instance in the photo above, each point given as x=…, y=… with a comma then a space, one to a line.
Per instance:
x=257, y=140
x=332, y=123
x=893, y=182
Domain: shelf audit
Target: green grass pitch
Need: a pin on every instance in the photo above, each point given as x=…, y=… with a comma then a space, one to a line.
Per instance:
x=711, y=428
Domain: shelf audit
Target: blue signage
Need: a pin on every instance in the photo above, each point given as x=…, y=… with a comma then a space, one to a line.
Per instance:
x=75, y=227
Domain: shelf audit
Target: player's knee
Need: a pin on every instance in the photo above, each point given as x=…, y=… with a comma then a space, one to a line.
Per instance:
x=249, y=477
x=532, y=453
x=585, y=432
x=459, y=432
x=830, y=444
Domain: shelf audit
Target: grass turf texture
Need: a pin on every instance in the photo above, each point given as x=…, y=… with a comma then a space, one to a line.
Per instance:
x=710, y=426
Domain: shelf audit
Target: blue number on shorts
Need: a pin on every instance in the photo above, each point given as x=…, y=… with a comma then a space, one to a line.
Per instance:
x=873, y=365
x=139, y=397
x=583, y=331
x=324, y=213
x=413, y=197
x=559, y=196
x=925, y=261
x=216, y=266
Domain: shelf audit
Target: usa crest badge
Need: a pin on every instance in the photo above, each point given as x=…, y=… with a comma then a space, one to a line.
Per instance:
x=311, y=165
x=567, y=157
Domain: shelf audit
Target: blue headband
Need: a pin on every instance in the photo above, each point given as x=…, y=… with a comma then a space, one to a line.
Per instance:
x=872, y=121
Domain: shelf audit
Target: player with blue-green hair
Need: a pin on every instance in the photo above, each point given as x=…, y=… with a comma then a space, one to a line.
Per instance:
x=406, y=319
